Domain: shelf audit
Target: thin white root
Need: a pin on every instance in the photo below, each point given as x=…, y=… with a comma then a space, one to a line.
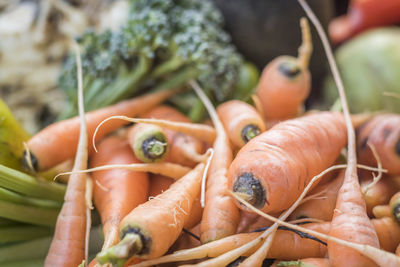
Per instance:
x=306, y=47
x=379, y=176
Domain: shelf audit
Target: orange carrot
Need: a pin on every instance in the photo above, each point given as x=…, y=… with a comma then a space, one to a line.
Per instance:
x=388, y=232
x=241, y=121
x=220, y=216
x=151, y=228
x=159, y=184
x=68, y=245
x=148, y=142
x=183, y=149
x=323, y=205
x=285, y=82
x=116, y=191
x=383, y=132
x=57, y=142
x=350, y=221
x=273, y=168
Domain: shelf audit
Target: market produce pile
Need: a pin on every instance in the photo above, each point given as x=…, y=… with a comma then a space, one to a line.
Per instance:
x=172, y=150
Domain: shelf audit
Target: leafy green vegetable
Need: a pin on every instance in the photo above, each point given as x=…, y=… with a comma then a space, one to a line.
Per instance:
x=163, y=44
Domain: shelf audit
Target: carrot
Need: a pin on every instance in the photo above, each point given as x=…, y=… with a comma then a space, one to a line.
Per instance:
x=183, y=149
x=57, y=142
x=151, y=228
x=273, y=168
x=350, y=220
x=394, y=204
x=159, y=184
x=379, y=194
x=148, y=142
x=321, y=207
x=220, y=216
x=241, y=121
x=285, y=82
x=383, y=132
x=68, y=247
x=116, y=191
x=388, y=232
x=381, y=257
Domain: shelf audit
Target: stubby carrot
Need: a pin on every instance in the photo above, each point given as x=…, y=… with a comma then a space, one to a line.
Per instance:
x=151, y=228
x=241, y=121
x=116, y=191
x=273, y=169
x=285, y=82
x=58, y=142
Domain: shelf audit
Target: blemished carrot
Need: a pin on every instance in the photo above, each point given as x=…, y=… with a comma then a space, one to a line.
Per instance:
x=151, y=228
x=383, y=132
x=69, y=240
x=220, y=215
x=116, y=191
x=315, y=262
x=285, y=82
x=273, y=169
x=57, y=142
x=159, y=184
x=183, y=149
x=148, y=142
x=379, y=194
x=241, y=121
x=323, y=205
x=350, y=221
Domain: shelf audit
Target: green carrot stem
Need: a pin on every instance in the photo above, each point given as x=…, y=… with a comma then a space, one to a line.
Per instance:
x=23, y=233
x=28, y=214
x=25, y=263
x=33, y=249
x=25, y=184
x=11, y=196
x=7, y=222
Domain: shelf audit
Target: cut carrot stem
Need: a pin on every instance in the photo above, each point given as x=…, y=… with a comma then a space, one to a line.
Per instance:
x=30, y=186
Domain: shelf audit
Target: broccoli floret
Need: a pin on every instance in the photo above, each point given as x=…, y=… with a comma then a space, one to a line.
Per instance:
x=163, y=44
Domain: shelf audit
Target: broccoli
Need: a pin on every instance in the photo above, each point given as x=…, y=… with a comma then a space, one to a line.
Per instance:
x=163, y=44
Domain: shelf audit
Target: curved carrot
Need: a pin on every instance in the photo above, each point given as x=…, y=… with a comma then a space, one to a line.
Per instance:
x=322, y=207
x=183, y=149
x=285, y=82
x=148, y=142
x=69, y=240
x=383, y=132
x=159, y=184
x=220, y=216
x=116, y=191
x=350, y=221
x=57, y=142
x=241, y=121
x=273, y=168
x=388, y=232
x=151, y=228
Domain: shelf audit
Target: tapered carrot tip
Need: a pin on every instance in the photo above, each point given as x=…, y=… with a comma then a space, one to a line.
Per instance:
x=250, y=189
x=117, y=255
x=249, y=132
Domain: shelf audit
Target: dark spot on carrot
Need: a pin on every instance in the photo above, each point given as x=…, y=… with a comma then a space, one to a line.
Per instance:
x=250, y=188
x=249, y=132
x=386, y=132
x=289, y=69
x=154, y=148
x=146, y=240
x=398, y=147
x=364, y=143
x=30, y=157
x=236, y=262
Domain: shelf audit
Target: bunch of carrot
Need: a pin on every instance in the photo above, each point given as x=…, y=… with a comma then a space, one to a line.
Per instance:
x=165, y=182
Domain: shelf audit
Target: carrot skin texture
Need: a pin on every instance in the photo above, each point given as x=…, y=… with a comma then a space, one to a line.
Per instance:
x=155, y=216
x=383, y=132
x=43, y=144
x=235, y=115
x=285, y=158
x=127, y=189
